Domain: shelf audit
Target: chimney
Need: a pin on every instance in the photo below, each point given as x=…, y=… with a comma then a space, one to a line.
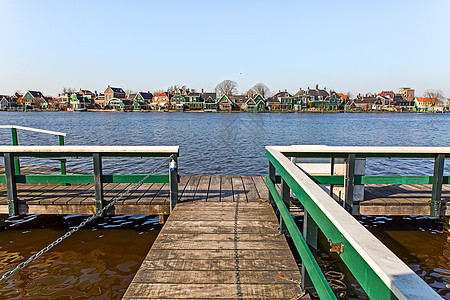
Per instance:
x=317, y=86
x=285, y=90
x=202, y=91
x=279, y=91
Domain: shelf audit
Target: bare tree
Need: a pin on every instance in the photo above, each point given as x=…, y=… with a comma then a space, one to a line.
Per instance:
x=158, y=92
x=69, y=90
x=128, y=92
x=251, y=93
x=260, y=88
x=435, y=94
x=171, y=89
x=226, y=87
x=349, y=96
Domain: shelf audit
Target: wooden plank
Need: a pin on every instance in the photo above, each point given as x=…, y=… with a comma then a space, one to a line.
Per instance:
x=190, y=189
x=151, y=193
x=163, y=195
x=211, y=291
x=229, y=237
x=261, y=187
x=255, y=259
x=250, y=189
x=184, y=179
x=226, y=189
x=136, y=194
x=215, y=276
x=201, y=194
x=239, y=193
x=72, y=192
x=214, y=189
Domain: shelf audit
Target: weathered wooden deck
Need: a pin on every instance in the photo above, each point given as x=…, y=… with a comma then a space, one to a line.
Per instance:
x=400, y=200
x=219, y=250
x=152, y=198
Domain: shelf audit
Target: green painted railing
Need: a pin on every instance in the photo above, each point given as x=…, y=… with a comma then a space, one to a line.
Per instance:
x=350, y=154
x=381, y=274
x=11, y=179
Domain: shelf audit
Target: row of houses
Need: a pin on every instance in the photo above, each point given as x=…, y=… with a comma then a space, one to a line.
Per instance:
x=115, y=98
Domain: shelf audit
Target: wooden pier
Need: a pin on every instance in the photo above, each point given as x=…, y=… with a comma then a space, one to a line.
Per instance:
x=223, y=239
x=219, y=250
x=153, y=198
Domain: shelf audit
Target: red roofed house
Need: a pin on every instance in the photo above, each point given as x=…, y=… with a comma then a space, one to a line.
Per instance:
x=428, y=104
x=160, y=101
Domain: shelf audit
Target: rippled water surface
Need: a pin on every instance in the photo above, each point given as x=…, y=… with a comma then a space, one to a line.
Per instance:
x=100, y=261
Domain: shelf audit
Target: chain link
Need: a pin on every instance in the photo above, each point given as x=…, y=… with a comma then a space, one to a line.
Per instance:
x=75, y=229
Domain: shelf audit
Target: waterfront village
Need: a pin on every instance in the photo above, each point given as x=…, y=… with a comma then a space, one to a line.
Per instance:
x=255, y=100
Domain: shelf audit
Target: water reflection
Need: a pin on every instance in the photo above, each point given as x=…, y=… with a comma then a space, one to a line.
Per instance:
x=96, y=262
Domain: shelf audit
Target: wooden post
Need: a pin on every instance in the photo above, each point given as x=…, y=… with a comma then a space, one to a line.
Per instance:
x=63, y=161
x=11, y=188
x=272, y=177
x=173, y=181
x=98, y=172
x=332, y=173
x=438, y=177
x=310, y=231
x=15, y=142
x=286, y=197
x=349, y=182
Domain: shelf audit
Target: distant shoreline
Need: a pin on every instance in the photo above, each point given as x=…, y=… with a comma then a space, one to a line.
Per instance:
x=239, y=112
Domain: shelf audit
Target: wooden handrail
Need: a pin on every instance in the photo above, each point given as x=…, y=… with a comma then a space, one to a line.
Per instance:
x=33, y=129
x=360, y=151
x=45, y=151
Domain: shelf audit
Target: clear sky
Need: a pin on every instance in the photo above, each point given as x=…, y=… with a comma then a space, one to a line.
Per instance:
x=357, y=46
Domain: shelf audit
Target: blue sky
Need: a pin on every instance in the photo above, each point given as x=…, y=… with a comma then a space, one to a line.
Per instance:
x=357, y=46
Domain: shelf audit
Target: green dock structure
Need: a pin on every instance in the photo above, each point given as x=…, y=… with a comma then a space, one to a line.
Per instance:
x=226, y=237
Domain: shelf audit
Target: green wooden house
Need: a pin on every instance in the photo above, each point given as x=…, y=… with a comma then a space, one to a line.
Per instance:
x=193, y=101
x=34, y=99
x=209, y=102
x=260, y=103
x=225, y=104
x=249, y=105
x=178, y=101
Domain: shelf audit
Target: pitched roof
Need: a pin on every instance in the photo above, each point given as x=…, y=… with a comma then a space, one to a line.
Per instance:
x=205, y=96
x=146, y=95
x=117, y=90
x=238, y=98
x=300, y=93
x=36, y=94
x=318, y=93
x=161, y=95
x=282, y=94
x=343, y=97
x=427, y=100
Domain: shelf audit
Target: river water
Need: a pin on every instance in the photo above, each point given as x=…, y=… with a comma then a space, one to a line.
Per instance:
x=99, y=261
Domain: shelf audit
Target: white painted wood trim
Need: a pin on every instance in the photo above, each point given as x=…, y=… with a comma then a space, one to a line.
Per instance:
x=33, y=129
x=404, y=283
x=92, y=149
x=360, y=149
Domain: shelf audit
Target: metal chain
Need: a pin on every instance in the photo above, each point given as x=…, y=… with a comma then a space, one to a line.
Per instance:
x=75, y=229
